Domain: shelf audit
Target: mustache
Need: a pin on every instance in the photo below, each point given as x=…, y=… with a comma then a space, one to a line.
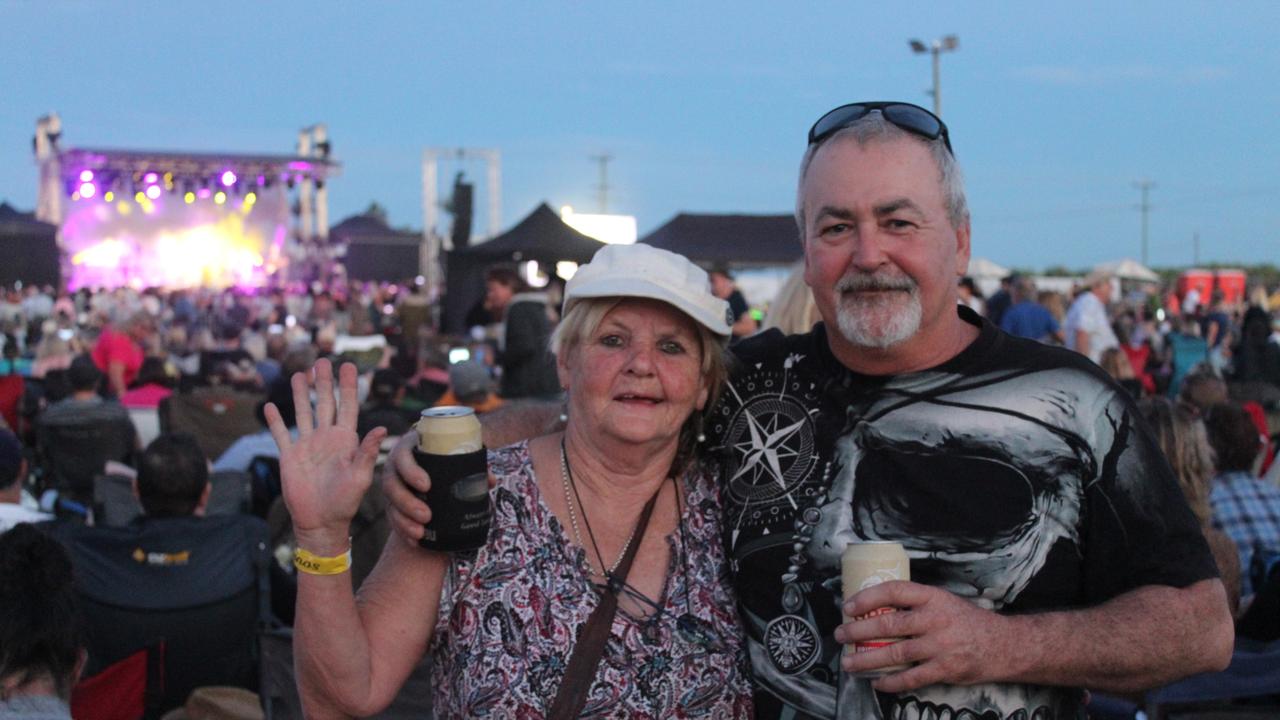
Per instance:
x=864, y=282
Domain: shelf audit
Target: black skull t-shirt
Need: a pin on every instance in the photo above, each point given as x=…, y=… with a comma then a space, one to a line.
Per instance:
x=1016, y=475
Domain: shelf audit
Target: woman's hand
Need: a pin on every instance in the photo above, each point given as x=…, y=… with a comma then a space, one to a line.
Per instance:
x=326, y=471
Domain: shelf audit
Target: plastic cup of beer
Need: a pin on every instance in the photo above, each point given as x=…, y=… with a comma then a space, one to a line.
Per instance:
x=864, y=565
x=451, y=451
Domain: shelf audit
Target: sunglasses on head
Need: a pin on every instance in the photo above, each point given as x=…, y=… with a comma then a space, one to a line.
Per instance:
x=912, y=118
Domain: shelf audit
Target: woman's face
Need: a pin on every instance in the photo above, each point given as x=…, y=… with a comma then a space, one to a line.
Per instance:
x=638, y=376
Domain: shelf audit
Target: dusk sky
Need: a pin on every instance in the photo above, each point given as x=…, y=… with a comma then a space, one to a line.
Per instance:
x=1055, y=109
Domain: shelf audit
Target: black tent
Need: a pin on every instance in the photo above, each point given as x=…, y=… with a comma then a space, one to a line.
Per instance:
x=375, y=251
x=29, y=248
x=540, y=236
x=740, y=240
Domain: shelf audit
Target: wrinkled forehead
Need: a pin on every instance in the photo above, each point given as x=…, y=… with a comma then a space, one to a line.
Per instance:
x=639, y=312
x=844, y=164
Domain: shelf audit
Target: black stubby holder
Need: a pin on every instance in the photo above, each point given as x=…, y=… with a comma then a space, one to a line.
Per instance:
x=459, y=501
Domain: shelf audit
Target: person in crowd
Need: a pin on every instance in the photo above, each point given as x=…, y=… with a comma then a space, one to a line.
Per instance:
x=1255, y=359
x=793, y=310
x=85, y=408
x=1186, y=351
x=240, y=455
x=1001, y=300
x=723, y=287
x=470, y=385
x=970, y=295
x=904, y=417
x=1028, y=318
x=152, y=385
x=1088, y=327
x=1203, y=389
x=528, y=369
x=13, y=478
x=614, y=509
x=1116, y=364
x=41, y=643
x=173, y=478
x=1215, y=326
x=119, y=351
x=228, y=358
x=383, y=407
x=55, y=351
x=1181, y=435
x=1244, y=507
x=1053, y=302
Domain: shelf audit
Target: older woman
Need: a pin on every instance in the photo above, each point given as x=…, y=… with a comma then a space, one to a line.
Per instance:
x=613, y=510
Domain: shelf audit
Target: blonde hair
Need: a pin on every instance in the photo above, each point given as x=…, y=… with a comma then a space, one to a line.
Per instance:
x=793, y=311
x=584, y=318
x=1182, y=436
x=1117, y=364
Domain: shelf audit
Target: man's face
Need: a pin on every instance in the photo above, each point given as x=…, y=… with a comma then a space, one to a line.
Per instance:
x=881, y=255
x=496, y=296
x=721, y=286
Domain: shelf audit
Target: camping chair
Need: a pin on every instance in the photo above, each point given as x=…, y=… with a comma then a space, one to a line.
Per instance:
x=127, y=689
x=1253, y=677
x=199, y=585
x=216, y=416
x=75, y=454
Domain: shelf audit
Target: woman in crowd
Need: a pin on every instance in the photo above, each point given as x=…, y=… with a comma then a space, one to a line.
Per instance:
x=793, y=310
x=41, y=650
x=1183, y=438
x=616, y=508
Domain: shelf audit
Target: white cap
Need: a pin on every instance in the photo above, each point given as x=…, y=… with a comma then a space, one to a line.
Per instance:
x=645, y=271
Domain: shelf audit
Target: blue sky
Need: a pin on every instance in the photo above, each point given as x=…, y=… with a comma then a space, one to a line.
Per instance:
x=1055, y=108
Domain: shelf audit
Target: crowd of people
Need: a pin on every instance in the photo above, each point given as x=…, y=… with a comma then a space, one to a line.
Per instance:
x=671, y=490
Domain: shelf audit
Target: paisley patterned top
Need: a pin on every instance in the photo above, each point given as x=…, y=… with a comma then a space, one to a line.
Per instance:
x=509, y=617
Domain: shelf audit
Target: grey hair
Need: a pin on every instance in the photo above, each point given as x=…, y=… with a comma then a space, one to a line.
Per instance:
x=874, y=128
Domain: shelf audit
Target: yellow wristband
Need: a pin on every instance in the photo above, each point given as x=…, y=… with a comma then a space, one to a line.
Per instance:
x=313, y=564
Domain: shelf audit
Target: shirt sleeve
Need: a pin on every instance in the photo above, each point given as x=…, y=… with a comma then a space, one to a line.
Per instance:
x=1138, y=528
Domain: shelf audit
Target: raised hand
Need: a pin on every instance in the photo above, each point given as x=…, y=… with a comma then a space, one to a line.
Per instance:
x=326, y=471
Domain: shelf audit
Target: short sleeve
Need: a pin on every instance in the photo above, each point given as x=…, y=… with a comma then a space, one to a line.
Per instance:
x=1138, y=528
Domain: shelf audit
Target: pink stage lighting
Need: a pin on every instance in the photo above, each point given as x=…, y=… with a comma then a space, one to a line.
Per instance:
x=87, y=189
x=153, y=192
x=228, y=178
x=151, y=178
x=86, y=175
x=204, y=193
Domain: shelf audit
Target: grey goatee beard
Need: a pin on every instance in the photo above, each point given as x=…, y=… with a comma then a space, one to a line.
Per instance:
x=881, y=320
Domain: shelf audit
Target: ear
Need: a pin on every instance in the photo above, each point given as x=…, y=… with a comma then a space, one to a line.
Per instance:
x=704, y=393
x=204, y=500
x=134, y=484
x=963, y=249
x=562, y=366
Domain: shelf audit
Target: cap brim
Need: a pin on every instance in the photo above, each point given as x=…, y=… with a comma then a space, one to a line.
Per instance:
x=635, y=287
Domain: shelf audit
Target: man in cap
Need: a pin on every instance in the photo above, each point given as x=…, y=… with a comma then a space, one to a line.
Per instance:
x=1050, y=547
x=1087, y=327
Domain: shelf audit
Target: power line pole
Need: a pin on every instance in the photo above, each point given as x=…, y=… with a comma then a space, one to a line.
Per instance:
x=1195, y=248
x=1144, y=186
x=936, y=48
x=602, y=189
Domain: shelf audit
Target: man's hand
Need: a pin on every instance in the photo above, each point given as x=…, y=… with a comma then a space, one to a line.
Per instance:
x=401, y=476
x=946, y=639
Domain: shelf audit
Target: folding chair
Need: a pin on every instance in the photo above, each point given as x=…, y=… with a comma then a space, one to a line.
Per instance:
x=127, y=689
x=1249, y=688
x=199, y=585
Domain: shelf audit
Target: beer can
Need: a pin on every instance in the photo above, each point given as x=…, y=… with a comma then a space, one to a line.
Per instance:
x=452, y=453
x=866, y=564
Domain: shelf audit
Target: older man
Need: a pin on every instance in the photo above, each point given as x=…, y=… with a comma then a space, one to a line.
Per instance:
x=1050, y=547
x=1088, y=329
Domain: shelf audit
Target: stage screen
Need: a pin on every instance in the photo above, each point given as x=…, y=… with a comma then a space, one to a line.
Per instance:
x=167, y=238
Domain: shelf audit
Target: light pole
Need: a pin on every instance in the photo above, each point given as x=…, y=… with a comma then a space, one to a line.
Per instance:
x=936, y=48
